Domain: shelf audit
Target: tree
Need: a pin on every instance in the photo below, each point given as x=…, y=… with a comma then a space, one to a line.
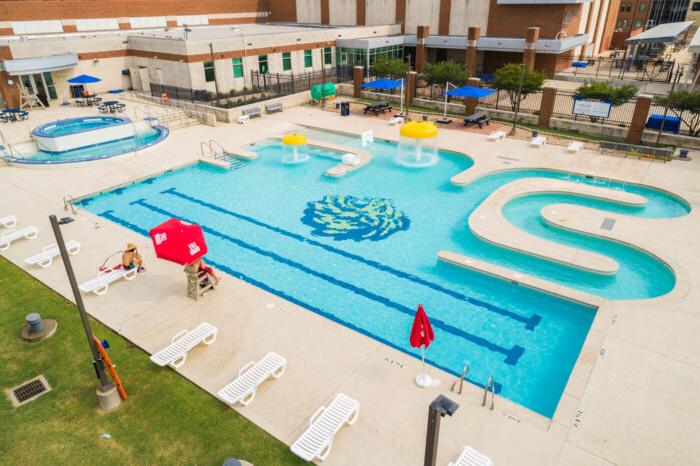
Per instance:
x=507, y=78
x=445, y=71
x=686, y=106
x=393, y=68
x=617, y=95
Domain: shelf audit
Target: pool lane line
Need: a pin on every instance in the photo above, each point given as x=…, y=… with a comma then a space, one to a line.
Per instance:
x=512, y=355
x=108, y=214
x=530, y=322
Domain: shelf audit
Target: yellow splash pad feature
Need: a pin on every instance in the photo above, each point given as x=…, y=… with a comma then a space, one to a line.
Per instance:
x=419, y=130
x=294, y=139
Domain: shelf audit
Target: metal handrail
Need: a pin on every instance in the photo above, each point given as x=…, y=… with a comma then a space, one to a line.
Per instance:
x=14, y=153
x=465, y=371
x=68, y=201
x=202, y=146
x=491, y=385
x=213, y=145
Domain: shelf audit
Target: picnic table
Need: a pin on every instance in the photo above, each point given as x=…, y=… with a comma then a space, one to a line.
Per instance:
x=88, y=100
x=670, y=123
x=13, y=114
x=111, y=106
x=379, y=107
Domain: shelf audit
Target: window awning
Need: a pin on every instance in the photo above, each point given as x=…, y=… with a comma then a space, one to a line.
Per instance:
x=661, y=34
x=20, y=66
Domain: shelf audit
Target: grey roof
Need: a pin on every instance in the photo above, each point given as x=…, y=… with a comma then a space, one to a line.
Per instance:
x=660, y=34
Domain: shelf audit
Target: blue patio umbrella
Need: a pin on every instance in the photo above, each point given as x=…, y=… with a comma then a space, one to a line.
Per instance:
x=84, y=79
x=384, y=84
x=470, y=92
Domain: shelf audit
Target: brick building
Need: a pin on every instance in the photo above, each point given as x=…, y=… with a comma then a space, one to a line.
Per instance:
x=213, y=44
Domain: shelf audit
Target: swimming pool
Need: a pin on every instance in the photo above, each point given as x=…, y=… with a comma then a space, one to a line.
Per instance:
x=361, y=250
x=77, y=125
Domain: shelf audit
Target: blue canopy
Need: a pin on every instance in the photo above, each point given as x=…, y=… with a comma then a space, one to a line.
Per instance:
x=384, y=83
x=470, y=91
x=84, y=79
x=115, y=91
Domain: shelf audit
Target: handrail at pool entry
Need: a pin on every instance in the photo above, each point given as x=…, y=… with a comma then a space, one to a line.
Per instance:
x=489, y=385
x=460, y=379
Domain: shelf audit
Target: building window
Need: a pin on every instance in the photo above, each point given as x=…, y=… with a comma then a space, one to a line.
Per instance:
x=262, y=64
x=624, y=7
x=642, y=7
x=638, y=24
x=209, y=75
x=696, y=6
x=286, y=61
x=327, y=57
x=237, y=67
x=308, y=59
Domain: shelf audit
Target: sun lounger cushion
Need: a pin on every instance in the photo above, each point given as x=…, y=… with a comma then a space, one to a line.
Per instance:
x=317, y=439
x=100, y=284
x=471, y=457
x=45, y=258
x=9, y=236
x=175, y=353
x=244, y=387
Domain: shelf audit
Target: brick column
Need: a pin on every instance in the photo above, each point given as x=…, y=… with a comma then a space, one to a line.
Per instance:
x=411, y=87
x=358, y=77
x=531, y=36
x=470, y=103
x=421, y=50
x=549, y=95
x=9, y=92
x=325, y=12
x=444, y=17
x=360, y=13
x=639, y=118
x=401, y=14
x=473, y=35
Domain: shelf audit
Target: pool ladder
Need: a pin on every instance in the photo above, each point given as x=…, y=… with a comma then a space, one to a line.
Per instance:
x=489, y=385
x=68, y=203
x=461, y=378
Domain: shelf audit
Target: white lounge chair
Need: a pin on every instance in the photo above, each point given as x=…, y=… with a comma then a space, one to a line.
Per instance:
x=8, y=221
x=100, y=284
x=243, y=119
x=496, y=135
x=175, y=353
x=350, y=159
x=45, y=258
x=575, y=146
x=9, y=236
x=471, y=457
x=317, y=439
x=538, y=141
x=397, y=120
x=243, y=388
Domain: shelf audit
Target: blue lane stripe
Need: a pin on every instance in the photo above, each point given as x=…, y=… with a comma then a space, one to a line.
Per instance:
x=512, y=354
x=530, y=322
x=108, y=214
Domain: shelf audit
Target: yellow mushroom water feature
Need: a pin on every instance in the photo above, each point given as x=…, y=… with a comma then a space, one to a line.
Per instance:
x=295, y=148
x=418, y=144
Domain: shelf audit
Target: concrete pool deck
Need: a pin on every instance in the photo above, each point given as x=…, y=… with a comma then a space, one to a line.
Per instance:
x=632, y=396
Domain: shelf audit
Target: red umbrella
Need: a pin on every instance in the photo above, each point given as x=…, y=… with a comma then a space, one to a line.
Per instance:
x=178, y=241
x=421, y=337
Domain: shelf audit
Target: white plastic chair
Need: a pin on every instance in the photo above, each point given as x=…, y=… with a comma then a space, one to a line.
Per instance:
x=7, y=237
x=317, y=439
x=471, y=457
x=538, y=141
x=575, y=146
x=8, y=221
x=496, y=135
x=244, y=387
x=243, y=119
x=175, y=353
x=45, y=258
x=100, y=284
x=397, y=120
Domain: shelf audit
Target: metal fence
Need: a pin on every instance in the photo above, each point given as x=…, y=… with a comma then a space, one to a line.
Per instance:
x=620, y=115
x=630, y=68
x=284, y=84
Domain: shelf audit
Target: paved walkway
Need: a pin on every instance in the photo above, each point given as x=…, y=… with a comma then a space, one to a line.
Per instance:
x=631, y=399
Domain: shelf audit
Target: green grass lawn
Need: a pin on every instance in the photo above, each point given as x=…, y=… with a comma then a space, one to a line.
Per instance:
x=166, y=420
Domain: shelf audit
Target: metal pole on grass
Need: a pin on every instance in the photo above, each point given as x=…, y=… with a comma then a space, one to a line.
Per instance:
x=105, y=383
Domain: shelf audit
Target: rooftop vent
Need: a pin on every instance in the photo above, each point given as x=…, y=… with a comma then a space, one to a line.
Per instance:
x=28, y=391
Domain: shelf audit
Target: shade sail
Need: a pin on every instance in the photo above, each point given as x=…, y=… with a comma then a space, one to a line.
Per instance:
x=384, y=83
x=470, y=92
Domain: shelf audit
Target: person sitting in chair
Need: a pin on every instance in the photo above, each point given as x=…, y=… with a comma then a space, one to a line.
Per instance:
x=200, y=266
x=131, y=258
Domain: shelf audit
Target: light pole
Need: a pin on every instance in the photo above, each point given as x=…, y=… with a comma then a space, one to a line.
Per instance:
x=107, y=394
x=517, y=104
x=440, y=407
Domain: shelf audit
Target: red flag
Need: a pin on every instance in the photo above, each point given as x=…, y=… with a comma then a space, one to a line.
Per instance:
x=178, y=241
x=421, y=332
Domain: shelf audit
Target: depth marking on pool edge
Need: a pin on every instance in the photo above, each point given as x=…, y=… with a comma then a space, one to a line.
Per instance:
x=530, y=322
x=110, y=216
x=512, y=355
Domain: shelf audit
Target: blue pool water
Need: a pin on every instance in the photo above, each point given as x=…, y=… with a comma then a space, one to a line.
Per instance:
x=145, y=139
x=361, y=250
x=77, y=125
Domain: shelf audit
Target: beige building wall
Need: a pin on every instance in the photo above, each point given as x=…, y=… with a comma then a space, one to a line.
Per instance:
x=380, y=12
x=342, y=12
x=467, y=13
x=603, y=6
x=422, y=13
x=308, y=11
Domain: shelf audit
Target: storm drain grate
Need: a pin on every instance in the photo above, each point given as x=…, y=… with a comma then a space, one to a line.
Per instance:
x=28, y=391
x=608, y=224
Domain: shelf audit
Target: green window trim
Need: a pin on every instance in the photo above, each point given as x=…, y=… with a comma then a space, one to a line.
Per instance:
x=262, y=64
x=327, y=56
x=286, y=61
x=209, y=74
x=308, y=59
x=237, y=67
